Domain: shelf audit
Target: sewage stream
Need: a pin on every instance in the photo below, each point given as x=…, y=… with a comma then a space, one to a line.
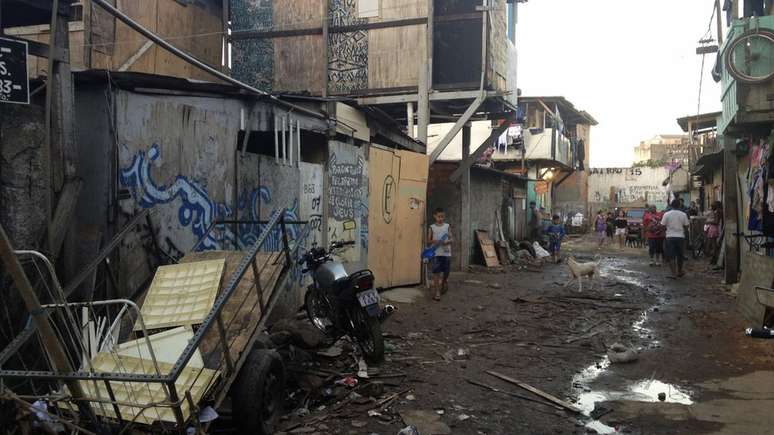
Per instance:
x=643, y=390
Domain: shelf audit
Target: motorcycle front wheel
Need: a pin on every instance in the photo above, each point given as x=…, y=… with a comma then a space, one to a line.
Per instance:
x=317, y=310
x=368, y=334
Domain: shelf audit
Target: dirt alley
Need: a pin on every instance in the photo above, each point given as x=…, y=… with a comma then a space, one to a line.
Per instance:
x=527, y=325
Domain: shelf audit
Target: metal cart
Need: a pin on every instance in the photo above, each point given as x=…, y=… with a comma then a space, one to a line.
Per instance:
x=152, y=396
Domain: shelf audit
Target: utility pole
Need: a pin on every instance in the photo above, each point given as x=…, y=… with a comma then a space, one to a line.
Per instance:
x=465, y=227
x=730, y=210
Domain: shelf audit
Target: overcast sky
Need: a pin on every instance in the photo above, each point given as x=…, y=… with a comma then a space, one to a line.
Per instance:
x=631, y=64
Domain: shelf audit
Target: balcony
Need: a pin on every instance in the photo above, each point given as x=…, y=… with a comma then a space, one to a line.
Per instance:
x=747, y=103
x=546, y=144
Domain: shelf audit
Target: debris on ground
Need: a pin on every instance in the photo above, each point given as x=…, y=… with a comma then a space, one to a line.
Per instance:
x=425, y=422
x=620, y=354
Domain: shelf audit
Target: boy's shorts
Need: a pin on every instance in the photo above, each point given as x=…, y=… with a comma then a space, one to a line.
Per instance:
x=441, y=264
x=554, y=247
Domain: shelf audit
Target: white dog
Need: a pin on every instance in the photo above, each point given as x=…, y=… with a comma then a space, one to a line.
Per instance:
x=579, y=270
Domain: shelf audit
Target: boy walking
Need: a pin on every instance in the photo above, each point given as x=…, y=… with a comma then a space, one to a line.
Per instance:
x=556, y=234
x=676, y=222
x=439, y=236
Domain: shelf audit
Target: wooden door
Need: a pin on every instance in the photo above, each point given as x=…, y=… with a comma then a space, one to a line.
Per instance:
x=382, y=188
x=410, y=218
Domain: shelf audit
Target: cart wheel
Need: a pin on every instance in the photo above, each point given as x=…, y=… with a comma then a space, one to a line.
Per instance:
x=258, y=393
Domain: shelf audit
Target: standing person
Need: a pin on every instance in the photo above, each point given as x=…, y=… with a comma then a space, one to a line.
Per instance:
x=675, y=221
x=439, y=236
x=555, y=233
x=600, y=226
x=535, y=221
x=655, y=234
x=610, y=230
x=693, y=209
x=621, y=225
x=712, y=232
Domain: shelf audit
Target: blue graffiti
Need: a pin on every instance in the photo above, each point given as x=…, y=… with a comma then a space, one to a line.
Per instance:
x=364, y=224
x=198, y=211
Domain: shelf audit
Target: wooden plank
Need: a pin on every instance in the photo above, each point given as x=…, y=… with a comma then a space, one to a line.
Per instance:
x=382, y=184
x=63, y=215
x=410, y=218
x=242, y=312
x=143, y=13
x=487, y=248
x=299, y=64
x=566, y=405
x=399, y=50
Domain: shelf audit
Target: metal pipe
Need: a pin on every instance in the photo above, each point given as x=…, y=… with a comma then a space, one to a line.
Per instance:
x=284, y=140
x=196, y=62
x=298, y=141
x=291, y=144
x=276, y=139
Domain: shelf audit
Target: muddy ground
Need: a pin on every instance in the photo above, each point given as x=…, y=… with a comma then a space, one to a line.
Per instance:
x=526, y=325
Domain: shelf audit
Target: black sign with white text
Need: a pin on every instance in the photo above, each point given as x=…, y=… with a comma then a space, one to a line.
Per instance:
x=14, y=84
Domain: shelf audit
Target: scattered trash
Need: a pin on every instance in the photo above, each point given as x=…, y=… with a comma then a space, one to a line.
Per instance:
x=409, y=430
x=208, y=414
x=373, y=413
x=661, y=397
x=334, y=351
x=425, y=422
x=495, y=285
x=599, y=412
x=373, y=389
x=358, y=424
x=411, y=397
x=302, y=411
x=349, y=381
x=473, y=282
x=362, y=369
x=620, y=354
x=463, y=417
x=327, y=392
x=759, y=332
x=440, y=411
x=539, y=251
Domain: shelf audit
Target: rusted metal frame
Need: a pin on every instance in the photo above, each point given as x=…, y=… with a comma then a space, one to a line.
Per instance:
x=175, y=399
x=224, y=342
x=113, y=401
x=230, y=287
x=106, y=251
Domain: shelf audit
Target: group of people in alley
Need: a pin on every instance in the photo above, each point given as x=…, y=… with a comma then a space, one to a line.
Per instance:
x=666, y=233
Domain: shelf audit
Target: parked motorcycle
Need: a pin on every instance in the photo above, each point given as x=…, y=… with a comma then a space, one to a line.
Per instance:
x=341, y=304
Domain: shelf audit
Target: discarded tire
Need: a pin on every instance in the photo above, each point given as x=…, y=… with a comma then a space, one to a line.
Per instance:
x=258, y=393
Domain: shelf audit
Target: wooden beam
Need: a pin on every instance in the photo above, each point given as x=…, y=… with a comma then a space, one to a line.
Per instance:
x=566, y=405
x=456, y=128
x=40, y=49
x=466, y=231
x=468, y=161
x=731, y=208
x=63, y=215
x=136, y=56
x=433, y=96
x=279, y=33
x=399, y=139
x=547, y=109
x=326, y=47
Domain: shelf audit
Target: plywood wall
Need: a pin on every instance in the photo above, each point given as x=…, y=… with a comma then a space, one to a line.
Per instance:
x=101, y=42
x=299, y=61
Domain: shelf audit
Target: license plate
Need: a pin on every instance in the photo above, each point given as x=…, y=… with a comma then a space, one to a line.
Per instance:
x=368, y=297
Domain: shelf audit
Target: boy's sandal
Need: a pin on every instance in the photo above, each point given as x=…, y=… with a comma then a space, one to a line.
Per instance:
x=437, y=298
